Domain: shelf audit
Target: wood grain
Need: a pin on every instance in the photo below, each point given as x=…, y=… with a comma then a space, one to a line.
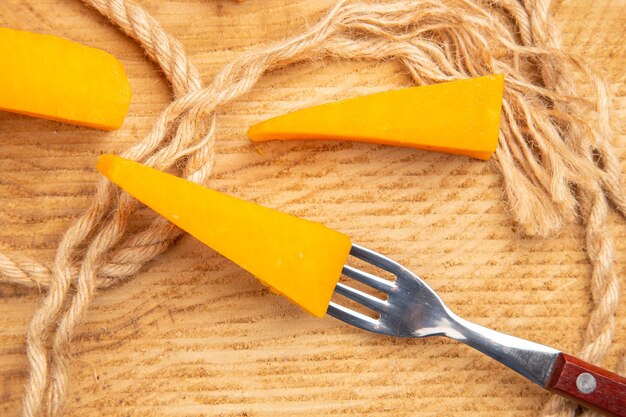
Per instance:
x=193, y=334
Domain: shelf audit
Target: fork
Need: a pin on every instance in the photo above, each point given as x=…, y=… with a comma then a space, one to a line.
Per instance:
x=413, y=310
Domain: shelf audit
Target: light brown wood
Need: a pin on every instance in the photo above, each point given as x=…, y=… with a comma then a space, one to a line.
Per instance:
x=193, y=334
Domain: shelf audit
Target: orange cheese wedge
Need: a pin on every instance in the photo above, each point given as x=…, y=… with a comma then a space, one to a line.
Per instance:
x=53, y=78
x=459, y=117
x=297, y=258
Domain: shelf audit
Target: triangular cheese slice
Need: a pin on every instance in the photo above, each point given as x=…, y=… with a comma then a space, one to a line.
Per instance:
x=459, y=117
x=295, y=257
x=54, y=78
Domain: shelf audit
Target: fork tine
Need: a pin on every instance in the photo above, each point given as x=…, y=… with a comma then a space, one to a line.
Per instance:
x=376, y=259
x=362, y=298
x=353, y=318
x=368, y=279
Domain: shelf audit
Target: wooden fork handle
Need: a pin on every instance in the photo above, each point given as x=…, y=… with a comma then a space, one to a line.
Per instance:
x=589, y=385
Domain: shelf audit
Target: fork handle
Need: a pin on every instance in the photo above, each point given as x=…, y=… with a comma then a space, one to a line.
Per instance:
x=556, y=371
x=589, y=385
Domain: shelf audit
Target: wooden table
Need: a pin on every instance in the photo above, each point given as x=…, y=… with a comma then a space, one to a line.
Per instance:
x=194, y=335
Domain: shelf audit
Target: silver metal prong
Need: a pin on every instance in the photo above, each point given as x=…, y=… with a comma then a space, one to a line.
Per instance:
x=376, y=259
x=353, y=318
x=368, y=279
x=361, y=297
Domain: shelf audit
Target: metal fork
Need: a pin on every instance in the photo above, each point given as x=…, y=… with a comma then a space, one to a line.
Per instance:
x=413, y=310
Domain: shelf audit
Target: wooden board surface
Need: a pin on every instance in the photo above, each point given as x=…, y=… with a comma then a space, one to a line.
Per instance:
x=194, y=335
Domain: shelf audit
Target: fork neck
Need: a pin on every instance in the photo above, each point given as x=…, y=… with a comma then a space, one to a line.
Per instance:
x=532, y=360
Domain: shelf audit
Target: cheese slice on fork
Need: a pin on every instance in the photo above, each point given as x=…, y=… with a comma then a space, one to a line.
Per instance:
x=297, y=258
x=459, y=117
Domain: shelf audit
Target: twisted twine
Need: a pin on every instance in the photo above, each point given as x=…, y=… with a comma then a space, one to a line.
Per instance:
x=555, y=152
